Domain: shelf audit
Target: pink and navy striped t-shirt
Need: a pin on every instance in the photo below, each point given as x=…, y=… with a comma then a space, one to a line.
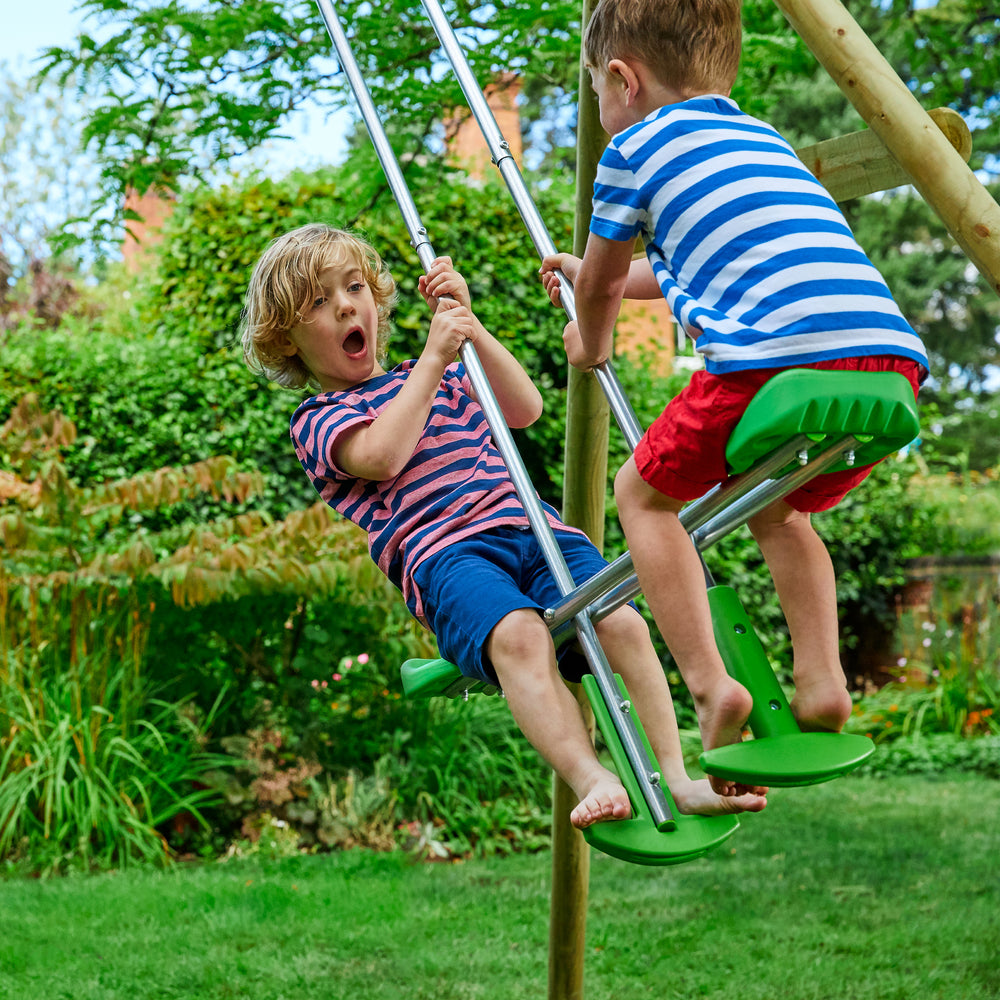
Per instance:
x=455, y=484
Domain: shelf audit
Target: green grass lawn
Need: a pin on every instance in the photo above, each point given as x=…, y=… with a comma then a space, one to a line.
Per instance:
x=860, y=889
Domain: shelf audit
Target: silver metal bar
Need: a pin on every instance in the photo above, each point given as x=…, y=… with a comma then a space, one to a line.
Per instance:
x=722, y=510
x=755, y=501
x=500, y=151
x=645, y=772
x=701, y=510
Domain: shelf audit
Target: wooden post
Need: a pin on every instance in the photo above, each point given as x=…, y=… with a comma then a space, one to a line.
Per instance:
x=938, y=172
x=586, y=461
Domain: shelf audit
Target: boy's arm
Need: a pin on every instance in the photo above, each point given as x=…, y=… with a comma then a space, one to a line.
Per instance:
x=600, y=285
x=380, y=450
x=518, y=396
x=641, y=283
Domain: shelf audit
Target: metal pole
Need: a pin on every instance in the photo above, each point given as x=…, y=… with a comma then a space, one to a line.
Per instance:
x=509, y=170
x=646, y=774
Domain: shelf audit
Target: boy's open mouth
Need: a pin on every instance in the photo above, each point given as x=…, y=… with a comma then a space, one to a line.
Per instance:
x=354, y=343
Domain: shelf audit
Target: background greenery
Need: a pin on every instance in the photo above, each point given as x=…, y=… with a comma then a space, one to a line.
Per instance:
x=195, y=658
x=834, y=891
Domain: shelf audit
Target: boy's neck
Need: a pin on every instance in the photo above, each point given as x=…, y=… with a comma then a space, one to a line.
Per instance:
x=649, y=94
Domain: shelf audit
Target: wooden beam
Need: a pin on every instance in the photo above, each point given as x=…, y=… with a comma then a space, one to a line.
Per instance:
x=584, y=491
x=853, y=165
x=935, y=167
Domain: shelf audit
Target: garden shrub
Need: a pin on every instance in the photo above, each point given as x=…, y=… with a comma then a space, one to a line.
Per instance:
x=156, y=381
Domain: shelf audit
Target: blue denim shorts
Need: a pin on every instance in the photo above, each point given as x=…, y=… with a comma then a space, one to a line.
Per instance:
x=471, y=585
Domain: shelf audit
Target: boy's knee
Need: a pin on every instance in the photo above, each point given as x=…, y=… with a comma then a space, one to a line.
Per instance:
x=623, y=626
x=631, y=490
x=777, y=516
x=520, y=634
x=633, y=493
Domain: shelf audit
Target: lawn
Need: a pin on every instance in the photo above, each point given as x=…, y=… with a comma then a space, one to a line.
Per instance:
x=861, y=889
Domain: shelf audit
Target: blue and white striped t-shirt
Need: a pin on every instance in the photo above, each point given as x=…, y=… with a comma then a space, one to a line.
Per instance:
x=752, y=254
x=455, y=484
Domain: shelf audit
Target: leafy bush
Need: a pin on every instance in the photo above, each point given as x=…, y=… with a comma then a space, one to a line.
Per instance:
x=91, y=774
x=936, y=753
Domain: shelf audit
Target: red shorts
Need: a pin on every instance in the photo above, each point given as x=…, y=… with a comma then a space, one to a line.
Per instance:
x=683, y=454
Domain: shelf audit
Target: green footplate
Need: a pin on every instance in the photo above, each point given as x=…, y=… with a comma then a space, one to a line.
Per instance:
x=637, y=839
x=788, y=760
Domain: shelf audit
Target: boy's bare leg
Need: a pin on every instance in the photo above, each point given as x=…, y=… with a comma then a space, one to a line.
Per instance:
x=520, y=649
x=670, y=573
x=626, y=643
x=804, y=579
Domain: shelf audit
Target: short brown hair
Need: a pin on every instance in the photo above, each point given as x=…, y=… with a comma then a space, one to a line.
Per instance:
x=285, y=280
x=689, y=45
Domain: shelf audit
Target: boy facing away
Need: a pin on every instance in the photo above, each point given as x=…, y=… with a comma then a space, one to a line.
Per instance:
x=407, y=455
x=760, y=267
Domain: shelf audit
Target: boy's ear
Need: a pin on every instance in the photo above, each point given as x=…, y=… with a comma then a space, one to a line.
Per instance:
x=627, y=75
x=285, y=346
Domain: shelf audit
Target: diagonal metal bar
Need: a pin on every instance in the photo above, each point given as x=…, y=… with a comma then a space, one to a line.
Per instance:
x=646, y=774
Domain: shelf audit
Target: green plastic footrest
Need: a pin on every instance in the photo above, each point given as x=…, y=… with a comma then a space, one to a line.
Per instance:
x=637, y=840
x=439, y=678
x=780, y=753
x=876, y=406
x=790, y=760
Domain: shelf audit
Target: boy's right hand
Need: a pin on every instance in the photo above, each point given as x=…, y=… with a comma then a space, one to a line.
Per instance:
x=451, y=326
x=565, y=262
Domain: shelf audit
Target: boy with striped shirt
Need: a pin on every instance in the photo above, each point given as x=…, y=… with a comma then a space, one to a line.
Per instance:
x=761, y=270
x=406, y=453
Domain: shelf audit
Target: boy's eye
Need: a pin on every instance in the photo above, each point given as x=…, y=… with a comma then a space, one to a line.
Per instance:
x=356, y=286
x=318, y=301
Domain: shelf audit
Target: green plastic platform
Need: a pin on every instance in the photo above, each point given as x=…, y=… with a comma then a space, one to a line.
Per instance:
x=879, y=410
x=876, y=407
x=637, y=839
x=780, y=754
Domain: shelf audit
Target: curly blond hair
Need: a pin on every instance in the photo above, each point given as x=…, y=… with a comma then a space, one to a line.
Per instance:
x=285, y=280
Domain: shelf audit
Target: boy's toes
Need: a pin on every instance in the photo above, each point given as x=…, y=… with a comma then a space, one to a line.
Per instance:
x=606, y=801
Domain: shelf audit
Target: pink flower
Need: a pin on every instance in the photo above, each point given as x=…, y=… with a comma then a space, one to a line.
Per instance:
x=363, y=658
x=336, y=677
x=348, y=663
x=315, y=683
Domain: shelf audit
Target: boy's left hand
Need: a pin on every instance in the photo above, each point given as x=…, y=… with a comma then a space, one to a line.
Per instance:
x=441, y=281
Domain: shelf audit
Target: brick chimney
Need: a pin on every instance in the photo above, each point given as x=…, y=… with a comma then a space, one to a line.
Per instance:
x=466, y=146
x=154, y=208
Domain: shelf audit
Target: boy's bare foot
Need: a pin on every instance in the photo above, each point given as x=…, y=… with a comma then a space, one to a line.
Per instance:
x=721, y=717
x=823, y=705
x=605, y=800
x=697, y=798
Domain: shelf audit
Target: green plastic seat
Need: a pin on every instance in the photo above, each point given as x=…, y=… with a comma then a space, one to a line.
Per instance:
x=876, y=407
x=440, y=679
